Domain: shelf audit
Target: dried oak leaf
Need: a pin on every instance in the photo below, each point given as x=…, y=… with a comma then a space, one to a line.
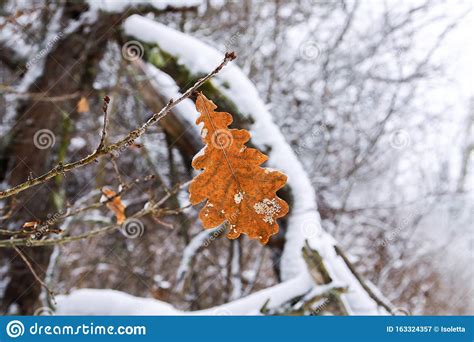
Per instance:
x=114, y=203
x=237, y=189
x=30, y=225
x=83, y=105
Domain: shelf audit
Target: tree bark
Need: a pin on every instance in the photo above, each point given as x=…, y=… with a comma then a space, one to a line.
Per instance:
x=69, y=67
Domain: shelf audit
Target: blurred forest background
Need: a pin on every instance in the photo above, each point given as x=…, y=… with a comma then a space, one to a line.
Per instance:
x=374, y=97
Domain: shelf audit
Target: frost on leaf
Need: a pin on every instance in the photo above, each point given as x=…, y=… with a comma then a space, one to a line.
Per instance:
x=238, y=197
x=236, y=188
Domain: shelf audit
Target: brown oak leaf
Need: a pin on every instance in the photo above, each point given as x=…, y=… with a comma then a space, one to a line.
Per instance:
x=236, y=188
x=83, y=105
x=30, y=225
x=114, y=203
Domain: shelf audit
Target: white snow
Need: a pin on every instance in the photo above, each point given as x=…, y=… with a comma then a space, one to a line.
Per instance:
x=235, y=274
x=35, y=70
x=160, y=282
x=11, y=39
x=111, y=302
x=4, y=279
x=77, y=143
x=238, y=197
x=200, y=153
x=120, y=5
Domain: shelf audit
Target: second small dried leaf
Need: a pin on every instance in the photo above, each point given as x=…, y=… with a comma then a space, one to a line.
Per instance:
x=114, y=203
x=83, y=105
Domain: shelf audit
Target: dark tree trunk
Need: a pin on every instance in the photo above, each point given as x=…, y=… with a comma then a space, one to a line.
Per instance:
x=69, y=68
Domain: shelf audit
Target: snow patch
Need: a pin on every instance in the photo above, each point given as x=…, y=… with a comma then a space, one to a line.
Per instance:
x=116, y=6
x=238, y=197
x=268, y=208
x=111, y=302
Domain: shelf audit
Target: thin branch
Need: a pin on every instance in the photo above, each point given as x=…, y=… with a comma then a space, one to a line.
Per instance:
x=380, y=301
x=117, y=171
x=40, y=97
x=104, y=127
x=44, y=226
x=38, y=279
x=8, y=232
x=150, y=209
x=128, y=140
x=259, y=264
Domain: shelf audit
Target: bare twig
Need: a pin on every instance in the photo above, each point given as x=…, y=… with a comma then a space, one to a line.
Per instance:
x=128, y=140
x=100, y=231
x=104, y=127
x=380, y=301
x=253, y=281
x=73, y=212
x=8, y=232
x=117, y=171
x=41, y=97
x=38, y=279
